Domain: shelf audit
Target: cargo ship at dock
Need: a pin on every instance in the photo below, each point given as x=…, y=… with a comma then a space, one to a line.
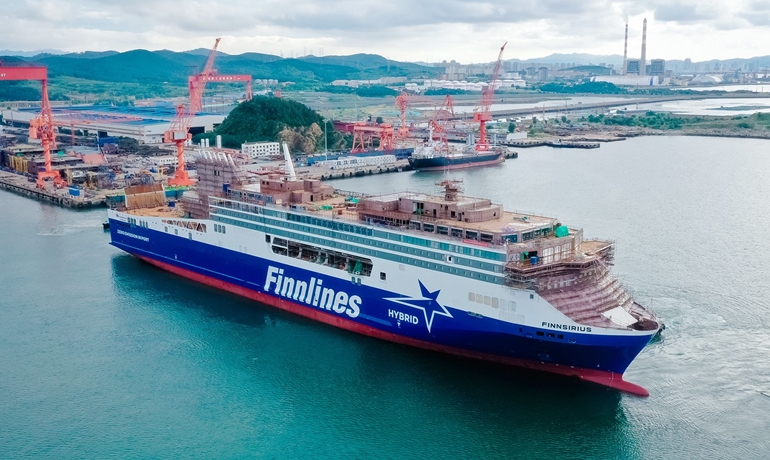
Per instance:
x=443, y=272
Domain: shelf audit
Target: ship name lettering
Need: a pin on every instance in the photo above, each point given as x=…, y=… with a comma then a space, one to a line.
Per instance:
x=312, y=292
x=566, y=327
x=407, y=318
x=131, y=235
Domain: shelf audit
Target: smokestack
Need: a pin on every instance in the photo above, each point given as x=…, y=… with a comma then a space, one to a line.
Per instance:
x=625, y=53
x=643, y=59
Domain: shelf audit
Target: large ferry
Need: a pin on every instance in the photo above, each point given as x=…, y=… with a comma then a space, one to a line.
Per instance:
x=440, y=271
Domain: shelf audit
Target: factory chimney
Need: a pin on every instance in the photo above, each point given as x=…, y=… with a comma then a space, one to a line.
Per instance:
x=625, y=53
x=643, y=59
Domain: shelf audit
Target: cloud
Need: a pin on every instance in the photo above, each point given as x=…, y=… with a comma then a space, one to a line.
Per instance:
x=469, y=31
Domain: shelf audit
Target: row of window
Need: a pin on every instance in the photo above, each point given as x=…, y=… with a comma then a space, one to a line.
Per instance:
x=188, y=224
x=494, y=302
x=442, y=267
x=348, y=228
x=454, y=232
x=138, y=223
x=348, y=262
x=377, y=243
x=220, y=228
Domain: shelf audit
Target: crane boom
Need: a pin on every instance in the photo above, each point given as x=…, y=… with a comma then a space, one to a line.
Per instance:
x=197, y=83
x=483, y=115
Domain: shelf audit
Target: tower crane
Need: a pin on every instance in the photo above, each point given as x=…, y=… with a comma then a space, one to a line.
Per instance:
x=179, y=133
x=197, y=83
x=42, y=126
x=483, y=115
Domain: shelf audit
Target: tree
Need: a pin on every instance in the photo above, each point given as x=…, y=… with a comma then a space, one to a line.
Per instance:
x=511, y=127
x=564, y=119
x=379, y=120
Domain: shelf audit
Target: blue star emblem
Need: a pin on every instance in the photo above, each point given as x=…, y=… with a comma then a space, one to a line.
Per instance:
x=428, y=303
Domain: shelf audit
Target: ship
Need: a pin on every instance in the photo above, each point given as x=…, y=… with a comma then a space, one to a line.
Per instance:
x=400, y=153
x=439, y=155
x=440, y=271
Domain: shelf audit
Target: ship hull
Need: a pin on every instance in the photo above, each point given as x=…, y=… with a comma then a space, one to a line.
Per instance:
x=456, y=162
x=592, y=357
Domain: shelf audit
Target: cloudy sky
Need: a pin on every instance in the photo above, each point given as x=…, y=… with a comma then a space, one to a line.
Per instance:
x=413, y=30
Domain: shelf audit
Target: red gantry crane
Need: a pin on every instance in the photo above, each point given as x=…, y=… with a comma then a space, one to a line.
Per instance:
x=197, y=83
x=179, y=133
x=42, y=126
x=483, y=115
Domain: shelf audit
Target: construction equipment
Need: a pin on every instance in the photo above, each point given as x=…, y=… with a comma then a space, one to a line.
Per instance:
x=197, y=83
x=483, y=114
x=437, y=126
x=179, y=133
x=42, y=126
x=364, y=134
x=402, y=102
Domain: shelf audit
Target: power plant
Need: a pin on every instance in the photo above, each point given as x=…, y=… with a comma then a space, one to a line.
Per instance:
x=635, y=66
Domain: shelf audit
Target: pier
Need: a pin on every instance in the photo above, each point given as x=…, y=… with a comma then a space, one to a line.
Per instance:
x=21, y=186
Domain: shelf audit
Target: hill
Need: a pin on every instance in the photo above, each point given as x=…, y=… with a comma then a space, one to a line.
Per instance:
x=273, y=119
x=164, y=66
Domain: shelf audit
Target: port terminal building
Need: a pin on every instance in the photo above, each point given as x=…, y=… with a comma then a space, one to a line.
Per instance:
x=145, y=124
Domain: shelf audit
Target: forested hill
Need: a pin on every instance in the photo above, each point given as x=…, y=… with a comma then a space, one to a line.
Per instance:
x=169, y=67
x=274, y=119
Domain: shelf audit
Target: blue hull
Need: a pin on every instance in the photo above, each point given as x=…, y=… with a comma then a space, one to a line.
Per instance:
x=451, y=327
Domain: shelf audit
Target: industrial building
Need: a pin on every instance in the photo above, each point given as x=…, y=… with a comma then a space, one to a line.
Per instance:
x=145, y=124
x=261, y=149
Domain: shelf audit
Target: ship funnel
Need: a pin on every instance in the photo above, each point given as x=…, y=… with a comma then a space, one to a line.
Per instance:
x=643, y=59
x=289, y=165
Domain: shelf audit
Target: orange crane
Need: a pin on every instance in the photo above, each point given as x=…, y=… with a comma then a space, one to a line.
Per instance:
x=483, y=115
x=197, y=83
x=440, y=118
x=42, y=126
x=364, y=134
x=179, y=133
x=402, y=102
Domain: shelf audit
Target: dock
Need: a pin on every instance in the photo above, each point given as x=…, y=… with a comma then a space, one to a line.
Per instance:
x=552, y=143
x=19, y=185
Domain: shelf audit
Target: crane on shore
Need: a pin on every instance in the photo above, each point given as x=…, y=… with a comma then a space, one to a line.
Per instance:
x=42, y=126
x=179, y=133
x=483, y=114
x=197, y=83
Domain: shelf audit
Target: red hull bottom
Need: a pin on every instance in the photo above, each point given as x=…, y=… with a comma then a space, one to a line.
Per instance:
x=608, y=379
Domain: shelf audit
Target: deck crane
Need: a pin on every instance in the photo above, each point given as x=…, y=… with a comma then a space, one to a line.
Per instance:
x=179, y=133
x=42, y=126
x=197, y=83
x=483, y=115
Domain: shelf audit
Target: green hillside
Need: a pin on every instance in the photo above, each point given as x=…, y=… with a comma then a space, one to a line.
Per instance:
x=274, y=119
x=164, y=73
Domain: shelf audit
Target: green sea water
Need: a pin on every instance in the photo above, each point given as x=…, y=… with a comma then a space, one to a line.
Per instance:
x=103, y=356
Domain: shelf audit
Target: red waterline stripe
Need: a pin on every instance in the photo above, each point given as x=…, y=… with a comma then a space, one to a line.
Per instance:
x=605, y=378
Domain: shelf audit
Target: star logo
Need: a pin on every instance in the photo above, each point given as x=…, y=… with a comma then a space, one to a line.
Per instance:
x=428, y=303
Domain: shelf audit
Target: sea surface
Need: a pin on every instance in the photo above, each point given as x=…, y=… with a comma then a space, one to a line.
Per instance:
x=728, y=107
x=103, y=356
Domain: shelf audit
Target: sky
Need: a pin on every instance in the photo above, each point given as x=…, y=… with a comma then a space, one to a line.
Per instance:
x=406, y=30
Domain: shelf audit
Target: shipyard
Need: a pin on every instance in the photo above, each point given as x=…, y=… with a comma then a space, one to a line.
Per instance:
x=423, y=229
